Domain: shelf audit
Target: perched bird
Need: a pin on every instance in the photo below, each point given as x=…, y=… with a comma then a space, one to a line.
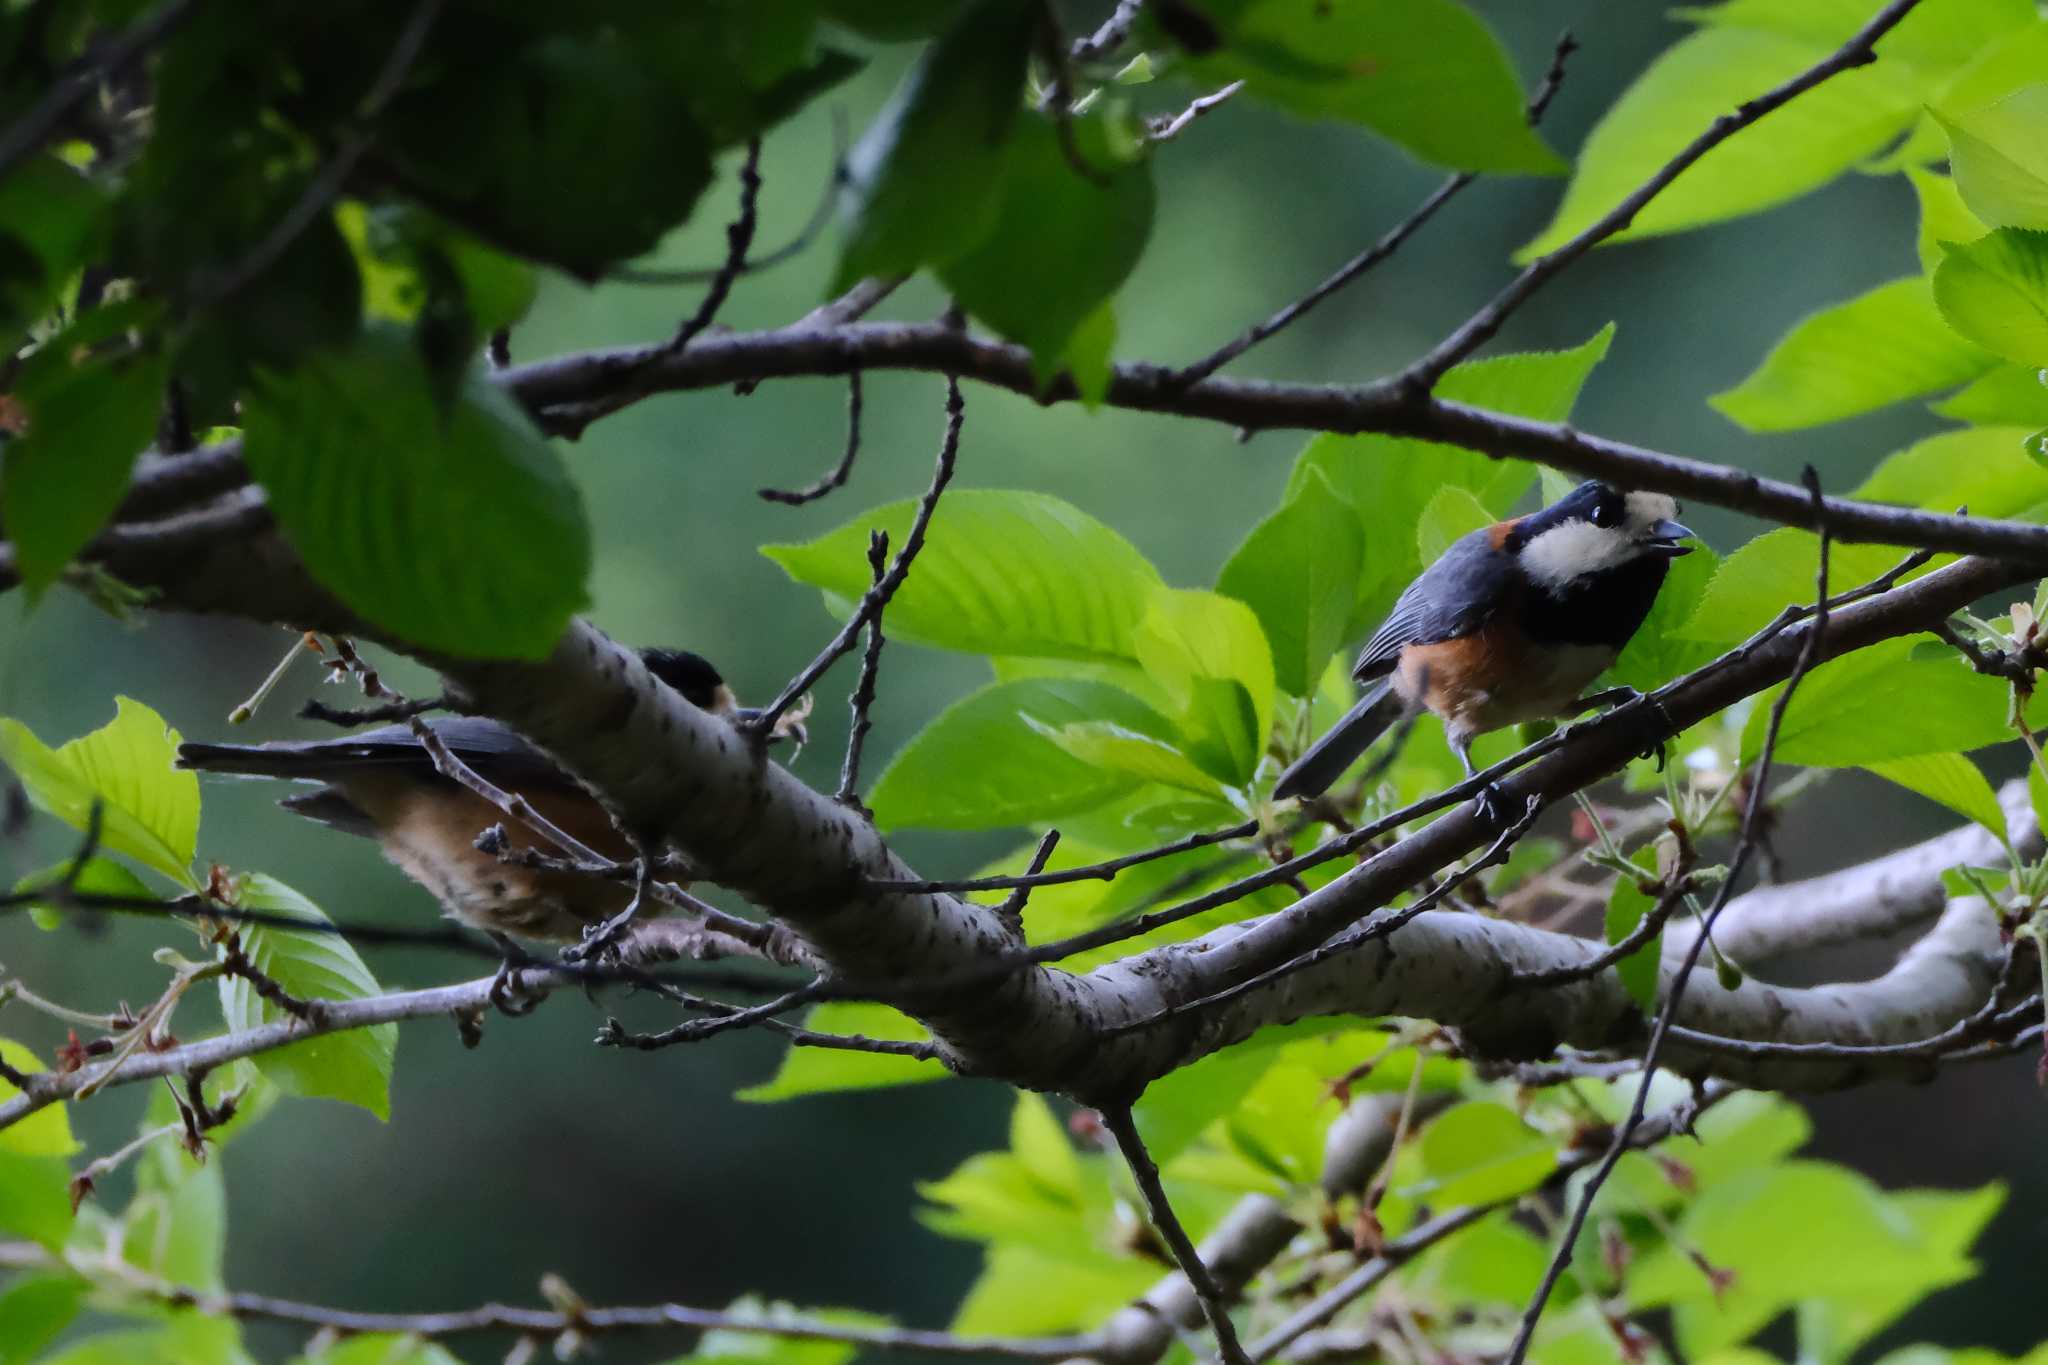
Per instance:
x=1511, y=623
x=383, y=785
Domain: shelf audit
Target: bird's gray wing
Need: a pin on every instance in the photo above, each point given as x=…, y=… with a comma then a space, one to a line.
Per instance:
x=1466, y=586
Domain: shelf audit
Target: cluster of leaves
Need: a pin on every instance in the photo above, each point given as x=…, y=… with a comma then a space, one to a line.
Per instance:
x=1725, y=1234
x=322, y=215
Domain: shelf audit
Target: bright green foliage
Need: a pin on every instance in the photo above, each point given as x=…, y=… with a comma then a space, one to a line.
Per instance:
x=176, y=1226
x=1060, y=243
x=1879, y=348
x=1944, y=217
x=1950, y=779
x=926, y=177
x=1995, y=292
x=1627, y=904
x=88, y=417
x=728, y=1346
x=47, y=1132
x=1000, y=573
x=1885, y=703
x=1772, y=572
x=1298, y=571
x=2006, y=394
x=380, y=1348
x=1982, y=468
x=813, y=1071
x=386, y=491
x=1792, y=150
x=982, y=762
x=33, y=1311
x=1427, y=74
x=352, y=1065
x=1209, y=655
x=148, y=810
x=1477, y=1153
x=1998, y=158
x=1141, y=757
x=188, y=1339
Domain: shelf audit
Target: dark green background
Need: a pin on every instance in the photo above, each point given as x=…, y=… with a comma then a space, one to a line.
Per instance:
x=635, y=1175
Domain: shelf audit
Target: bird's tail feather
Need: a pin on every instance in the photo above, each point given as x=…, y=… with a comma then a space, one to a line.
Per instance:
x=1328, y=757
x=247, y=760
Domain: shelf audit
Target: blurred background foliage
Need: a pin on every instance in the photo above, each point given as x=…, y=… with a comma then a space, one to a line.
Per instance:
x=638, y=1176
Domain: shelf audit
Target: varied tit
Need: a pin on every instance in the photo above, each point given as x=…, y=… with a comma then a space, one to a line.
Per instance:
x=1512, y=623
x=383, y=785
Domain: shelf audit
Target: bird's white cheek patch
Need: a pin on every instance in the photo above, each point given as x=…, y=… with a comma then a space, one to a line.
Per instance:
x=1572, y=550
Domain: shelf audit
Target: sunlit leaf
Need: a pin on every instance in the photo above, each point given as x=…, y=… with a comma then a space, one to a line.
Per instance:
x=149, y=811
x=817, y=1071
x=1950, y=779
x=1209, y=655
x=1298, y=571
x=1000, y=573
x=1995, y=292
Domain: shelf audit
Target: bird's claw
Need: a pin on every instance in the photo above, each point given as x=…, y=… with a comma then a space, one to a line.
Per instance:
x=1490, y=802
x=508, y=994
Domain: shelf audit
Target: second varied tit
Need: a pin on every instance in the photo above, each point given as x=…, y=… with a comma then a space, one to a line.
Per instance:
x=383, y=785
x=1511, y=623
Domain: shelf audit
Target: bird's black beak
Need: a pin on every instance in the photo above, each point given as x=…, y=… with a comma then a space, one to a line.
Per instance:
x=1664, y=539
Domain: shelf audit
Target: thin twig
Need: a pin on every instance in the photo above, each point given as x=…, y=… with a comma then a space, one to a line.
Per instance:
x=1386, y=246
x=877, y=597
x=724, y=1019
x=1168, y=127
x=863, y=696
x=1103, y=871
x=837, y=476
x=1115, y=30
x=1745, y=848
x=1011, y=911
x=347, y=717
x=739, y=235
x=1124, y=1128
x=1476, y=331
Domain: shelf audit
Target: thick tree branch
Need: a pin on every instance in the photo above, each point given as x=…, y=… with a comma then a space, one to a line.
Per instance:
x=1255, y=405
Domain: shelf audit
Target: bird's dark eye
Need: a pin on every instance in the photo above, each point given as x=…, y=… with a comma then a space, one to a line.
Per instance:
x=1606, y=514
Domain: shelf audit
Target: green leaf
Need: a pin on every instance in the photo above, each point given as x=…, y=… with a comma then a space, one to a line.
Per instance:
x=925, y=180
x=1000, y=573
x=88, y=418
x=54, y=220
x=818, y=1071
x=1950, y=779
x=1883, y=703
x=1479, y=1152
x=1998, y=157
x=982, y=763
x=1427, y=74
x=99, y=877
x=1210, y=657
x=379, y=1348
x=1794, y=149
x=2007, y=394
x=1983, y=468
x=1932, y=40
x=1659, y=652
x=1877, y=349
x=353, y=1065
x=46, y=1132
x=1452, y=513
x=1627, y=904
x=34, y=1311
x=1298, y=572
x=1493, y=1261
x=35, y=1199
x=1143, y=757
x=522, y=145
x=729, y=1346
x=1771, y=573
x=1025, y=1292
x=1088, y=359
x=1060, y=244
x=1944, y=217
x=149, y=810
x=188, y=1339
x=1995, y=292
x=176, y=1225
x=454, y=527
